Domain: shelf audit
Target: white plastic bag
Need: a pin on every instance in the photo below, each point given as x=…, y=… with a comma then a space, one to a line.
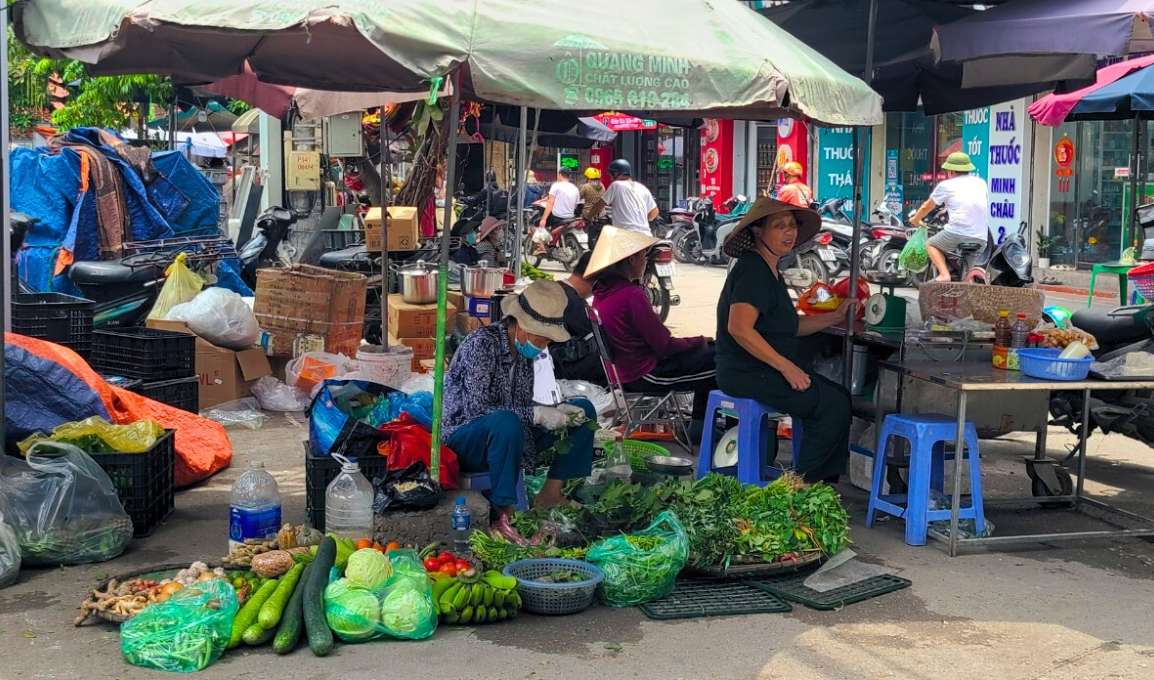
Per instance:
x=220, y=316
x=420, y=382
x=274, y=395
x=244, y=413
x=600, y=397
x=63, y=506
x=9, y=554
x=313, y=368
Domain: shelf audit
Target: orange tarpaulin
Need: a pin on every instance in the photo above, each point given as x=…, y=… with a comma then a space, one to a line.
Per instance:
x=202, y=446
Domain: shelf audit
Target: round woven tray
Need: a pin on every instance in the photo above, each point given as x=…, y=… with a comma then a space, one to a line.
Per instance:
x=747, y=568
x=157, y=573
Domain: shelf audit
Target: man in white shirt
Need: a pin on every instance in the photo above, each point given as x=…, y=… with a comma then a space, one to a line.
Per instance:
x=562, y=202
x=967, y=203
x=632, y=204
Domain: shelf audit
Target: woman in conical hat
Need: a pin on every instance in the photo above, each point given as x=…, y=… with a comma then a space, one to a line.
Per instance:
x=647, y=356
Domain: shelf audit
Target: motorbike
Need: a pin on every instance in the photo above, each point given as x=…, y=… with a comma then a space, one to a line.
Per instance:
x=489, y=201
x=563, y=244
x=701, y=243
x=1005, y=264
x=269, y=246
x=658, y=279
x=818, y=260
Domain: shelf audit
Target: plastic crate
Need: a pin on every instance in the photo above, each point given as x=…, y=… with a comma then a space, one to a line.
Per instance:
x=1047, y=365
x=144, y=482
x=59, y=318
x=182, y=393
x=146, y=353
x=339, y=239
x=320, y=471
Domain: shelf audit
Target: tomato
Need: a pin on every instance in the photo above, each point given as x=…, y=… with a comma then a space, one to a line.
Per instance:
x=364, y=543
x=462, y=565
x=446, y=557
x=450, y=569
x=378, y=547
x=432, y=564
x=391, y=546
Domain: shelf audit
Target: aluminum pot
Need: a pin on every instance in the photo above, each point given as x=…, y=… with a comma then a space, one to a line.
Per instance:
x=419, y=283
x=482, y=280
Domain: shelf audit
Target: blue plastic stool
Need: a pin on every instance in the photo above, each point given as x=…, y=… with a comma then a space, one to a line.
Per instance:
x=479, y=481
x=756, y=429
x=927, y=434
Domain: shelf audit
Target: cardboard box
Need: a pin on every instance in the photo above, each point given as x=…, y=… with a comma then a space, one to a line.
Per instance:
x=223, y=374
x=424, y=349
x=404, y=230
x=407, y=320
x=293, y=303
x=466, y=323
x=456, y=298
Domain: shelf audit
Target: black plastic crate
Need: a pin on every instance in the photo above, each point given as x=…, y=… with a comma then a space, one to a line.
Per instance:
x=183, y=393
x=150, y=354
x=144, y=482
x=55, y=317
x=339, y=239
x=320, y=471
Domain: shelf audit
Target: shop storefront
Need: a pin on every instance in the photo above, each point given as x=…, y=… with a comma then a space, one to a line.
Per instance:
x=665, y=160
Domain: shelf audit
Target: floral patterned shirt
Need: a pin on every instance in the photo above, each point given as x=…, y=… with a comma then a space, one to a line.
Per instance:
x=486, y=376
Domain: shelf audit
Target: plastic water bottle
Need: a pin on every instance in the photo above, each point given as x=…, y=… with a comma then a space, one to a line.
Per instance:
x=462, y=524
x=254, y=509
x=617, y=467
x=349, y=502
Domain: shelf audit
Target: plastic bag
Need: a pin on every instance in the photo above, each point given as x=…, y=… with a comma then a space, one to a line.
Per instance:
x=97, y=435
x=420, y=382
x=313, y=368
x=274, y=395
x=220, y=316
x=335, y=418
x=818, y=299
x=9, y=554
x=410, y=488
x=408, y=442
x=62, y=506
x=402, y=608
x=641, y=567
x=600, y=397
x=186, y=633
x=181, y=284
x=914, y=257
x=244, y=413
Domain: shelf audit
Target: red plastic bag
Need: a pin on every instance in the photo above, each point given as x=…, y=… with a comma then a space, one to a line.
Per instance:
x=841, y=289
x=409, y=442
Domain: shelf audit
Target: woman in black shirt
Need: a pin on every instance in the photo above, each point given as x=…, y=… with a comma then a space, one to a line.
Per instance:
x=758, y=333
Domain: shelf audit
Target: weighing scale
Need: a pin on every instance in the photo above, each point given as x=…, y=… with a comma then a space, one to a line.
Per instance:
x=885, y=312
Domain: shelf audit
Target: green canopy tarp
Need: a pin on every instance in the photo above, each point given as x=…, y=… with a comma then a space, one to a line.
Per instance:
x=714, y=58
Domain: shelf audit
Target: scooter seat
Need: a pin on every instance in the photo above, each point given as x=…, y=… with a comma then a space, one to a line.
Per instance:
x=1111, y=331
x=971, y=248
x=344, y=258
x=112, y=272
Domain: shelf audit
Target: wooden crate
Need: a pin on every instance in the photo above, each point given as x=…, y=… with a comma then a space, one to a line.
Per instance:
x=305, y=300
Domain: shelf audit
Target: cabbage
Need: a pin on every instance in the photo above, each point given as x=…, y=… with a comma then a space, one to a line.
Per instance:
x=407, y=612
x=368, y=568
x=353, y=613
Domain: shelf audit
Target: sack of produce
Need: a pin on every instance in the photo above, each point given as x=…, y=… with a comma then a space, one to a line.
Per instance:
x=220, y=316
x=62, y=506
x=181, y=284
x=914, y=257
x=186, y=633
x=641, y=567
x=381, y=596
x=9, y=554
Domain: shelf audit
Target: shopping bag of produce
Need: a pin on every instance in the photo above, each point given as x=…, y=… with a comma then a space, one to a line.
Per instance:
x=181, y=284
x=914, y=257
x=643, y=566
x=381, y=596
x=9, y=554
x=63, y=506
x=185, y=633
x=342, y=415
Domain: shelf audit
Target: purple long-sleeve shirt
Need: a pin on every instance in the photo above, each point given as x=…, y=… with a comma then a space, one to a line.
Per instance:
x=636, y=335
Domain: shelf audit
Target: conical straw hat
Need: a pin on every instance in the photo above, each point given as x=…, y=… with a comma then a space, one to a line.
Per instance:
x=616, y=244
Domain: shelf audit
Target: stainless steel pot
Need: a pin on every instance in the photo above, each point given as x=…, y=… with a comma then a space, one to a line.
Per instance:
x=482, y=280
x=419, y=283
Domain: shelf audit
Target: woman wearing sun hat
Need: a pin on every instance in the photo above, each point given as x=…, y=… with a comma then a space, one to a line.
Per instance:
x=489, y=418
x=966, y=200
x=759, y=337
x=648, y=358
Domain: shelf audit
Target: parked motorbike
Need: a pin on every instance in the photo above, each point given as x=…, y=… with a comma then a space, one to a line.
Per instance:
x=702, y=242
x=269, y=246
x=475, y=207
x=658, y=279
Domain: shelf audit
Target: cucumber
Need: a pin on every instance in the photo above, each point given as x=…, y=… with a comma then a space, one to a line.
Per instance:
x=291, y=623
x=256, y=635
x=273, y=608
x=313, y=603
x=248, y=613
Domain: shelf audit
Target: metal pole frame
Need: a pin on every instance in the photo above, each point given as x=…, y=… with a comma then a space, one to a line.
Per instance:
x=5, y=208
x=519, y=177
x=385, y=175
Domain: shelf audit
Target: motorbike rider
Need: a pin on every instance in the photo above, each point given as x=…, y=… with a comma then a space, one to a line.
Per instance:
x=965, y=198
x=592, y=189
x=561, y=205
x=795, y=191
x=632, y=204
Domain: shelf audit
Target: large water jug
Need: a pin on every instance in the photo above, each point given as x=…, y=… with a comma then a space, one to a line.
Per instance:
x=254, y=510
x=349, y=502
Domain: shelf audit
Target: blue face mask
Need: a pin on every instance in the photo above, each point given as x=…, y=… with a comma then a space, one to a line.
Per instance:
x=527, y=349
x=471, y=238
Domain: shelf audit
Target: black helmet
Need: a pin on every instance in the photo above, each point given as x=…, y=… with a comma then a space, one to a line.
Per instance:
x=619, y=167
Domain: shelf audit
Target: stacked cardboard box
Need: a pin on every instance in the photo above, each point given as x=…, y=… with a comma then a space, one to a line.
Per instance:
x=296, y=305
x=223, y=374
x=403, y=232
x=415, y=326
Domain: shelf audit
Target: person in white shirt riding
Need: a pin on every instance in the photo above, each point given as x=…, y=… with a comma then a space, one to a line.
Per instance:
x=632, y=204
x=561, y=205
x=967, y=202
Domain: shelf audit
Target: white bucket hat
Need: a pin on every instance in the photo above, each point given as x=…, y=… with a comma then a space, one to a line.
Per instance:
x=539, y=309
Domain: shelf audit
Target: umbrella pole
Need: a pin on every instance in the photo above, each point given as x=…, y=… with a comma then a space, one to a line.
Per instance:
x=859, y=175
x=1134, y=167
x=5, y=230
x=522, y=134
x=386, y=199
x=443, y=276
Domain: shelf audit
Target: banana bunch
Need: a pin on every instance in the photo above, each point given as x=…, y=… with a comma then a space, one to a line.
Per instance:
x=475, y=599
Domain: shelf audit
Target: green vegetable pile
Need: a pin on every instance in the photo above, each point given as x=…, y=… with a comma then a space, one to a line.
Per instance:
x=534, y=274
x=644, y=566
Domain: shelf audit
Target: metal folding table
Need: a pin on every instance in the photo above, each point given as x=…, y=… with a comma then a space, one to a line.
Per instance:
x=981, y=377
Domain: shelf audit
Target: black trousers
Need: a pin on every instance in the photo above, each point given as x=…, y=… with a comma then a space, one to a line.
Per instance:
x=693, y=370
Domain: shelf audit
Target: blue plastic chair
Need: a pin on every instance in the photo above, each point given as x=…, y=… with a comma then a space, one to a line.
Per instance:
x=479, y=481
x=927, y=434
x=756, y=430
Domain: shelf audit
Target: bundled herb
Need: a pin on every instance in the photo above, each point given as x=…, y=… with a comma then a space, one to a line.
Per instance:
x=641, y=567
x=496, y=551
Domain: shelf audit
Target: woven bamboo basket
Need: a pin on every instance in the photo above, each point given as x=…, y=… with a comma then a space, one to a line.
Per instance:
x=943, y=301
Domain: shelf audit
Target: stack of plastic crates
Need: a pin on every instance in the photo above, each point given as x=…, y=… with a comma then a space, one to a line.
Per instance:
x=165, y=362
